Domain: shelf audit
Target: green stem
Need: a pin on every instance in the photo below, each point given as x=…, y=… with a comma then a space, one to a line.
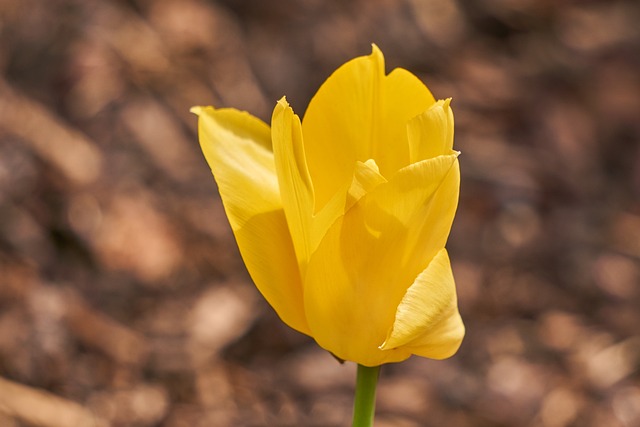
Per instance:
x=364, y=406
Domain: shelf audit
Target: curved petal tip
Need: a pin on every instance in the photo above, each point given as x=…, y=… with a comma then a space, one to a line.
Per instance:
x=377, y=57
x=197, y=110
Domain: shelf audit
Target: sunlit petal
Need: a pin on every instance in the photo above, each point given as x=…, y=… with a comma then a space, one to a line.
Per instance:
x=366, y=177
x=368, y=258
x=431, y=133
x=296, y=188
x=360, y=113
x=237, y=147
x=428, y=316
x=442, y=340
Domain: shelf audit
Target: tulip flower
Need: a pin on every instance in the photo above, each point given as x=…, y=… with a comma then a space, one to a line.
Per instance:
x=342, y=218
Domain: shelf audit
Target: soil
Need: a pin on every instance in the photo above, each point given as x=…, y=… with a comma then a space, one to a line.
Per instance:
x=123, y=298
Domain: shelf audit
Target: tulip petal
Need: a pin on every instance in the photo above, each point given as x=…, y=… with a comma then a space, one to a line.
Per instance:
x=428, y=318
x=361, y=270
x=238, y=142
x=295, y=184
x=307, y=229
x=237, y=147
x=442, y=340
x=360, y=113
x=365, y=178
x=431, y=133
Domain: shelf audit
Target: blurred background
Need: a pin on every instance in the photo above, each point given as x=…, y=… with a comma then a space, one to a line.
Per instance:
x=123, y=299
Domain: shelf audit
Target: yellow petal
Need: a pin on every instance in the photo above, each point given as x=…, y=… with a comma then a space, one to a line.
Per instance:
x=307, y=229
x=428, y=318
x=237, y=147
x=431, y=133
x=360, y=114
x=365, y=178
x=295, y=184
x=362, y=268
x=443, y=340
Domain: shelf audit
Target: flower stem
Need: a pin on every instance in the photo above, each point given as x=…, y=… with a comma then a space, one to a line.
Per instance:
x=365, y=401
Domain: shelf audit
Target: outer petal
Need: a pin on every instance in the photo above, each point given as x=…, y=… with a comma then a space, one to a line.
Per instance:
x=360, y=114
x=238, y=149
x=443, y=340
x=431, y=133
x=308, y=229
x=295, y=184
x=361, y=270
x=428, y=318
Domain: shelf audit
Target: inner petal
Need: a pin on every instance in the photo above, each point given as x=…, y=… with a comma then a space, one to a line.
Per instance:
x=366, y=177
x=360, y=113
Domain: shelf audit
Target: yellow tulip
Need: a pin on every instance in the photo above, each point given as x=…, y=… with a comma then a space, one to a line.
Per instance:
x=342, y=218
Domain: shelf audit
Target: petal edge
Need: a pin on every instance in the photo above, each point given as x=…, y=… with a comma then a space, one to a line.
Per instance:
x=425, y=308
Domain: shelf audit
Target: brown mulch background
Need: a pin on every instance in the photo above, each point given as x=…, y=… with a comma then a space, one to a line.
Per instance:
x=124, y=302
